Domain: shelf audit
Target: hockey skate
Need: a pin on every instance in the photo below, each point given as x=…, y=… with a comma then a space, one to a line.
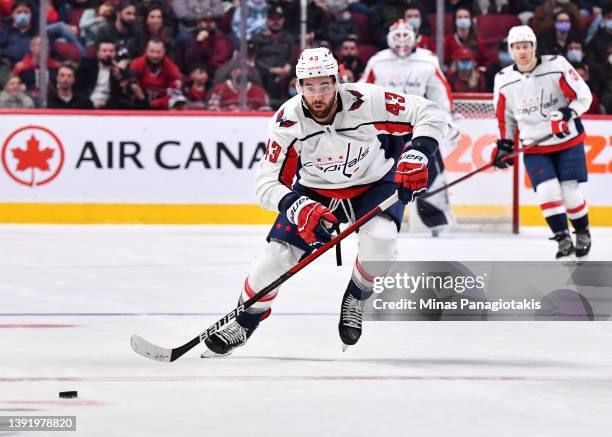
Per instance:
x=566, y=246
x=583, y=244
x=223, y=342
x=351, y=316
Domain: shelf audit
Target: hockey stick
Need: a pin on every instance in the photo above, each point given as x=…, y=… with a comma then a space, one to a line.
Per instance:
x=149, y=350
x=485, y=167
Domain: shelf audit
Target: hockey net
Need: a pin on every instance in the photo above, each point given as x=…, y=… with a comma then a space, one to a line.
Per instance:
x=488, y=201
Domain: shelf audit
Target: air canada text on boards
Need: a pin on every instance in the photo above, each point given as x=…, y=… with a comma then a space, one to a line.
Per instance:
x=130, y=154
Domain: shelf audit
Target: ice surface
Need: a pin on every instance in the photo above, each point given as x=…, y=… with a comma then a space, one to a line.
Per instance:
x=71, y=297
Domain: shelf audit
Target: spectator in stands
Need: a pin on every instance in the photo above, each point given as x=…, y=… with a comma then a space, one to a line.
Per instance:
x=503, y=60
x=28, y=68
x=156, y=24
x=597, y=49
x=463, y=76
x=464, y=36
x=15, y=35
x=340, y=25
x=575, y=55
x=584, y=72
x=64, y=97
x=606, y=93
x=225, y=97
x=274, y=54
x=207, y=45
x=385, y=13
x=196, y=86
x=99, y=79
x=93, y=19
x=543, y=20
x=414, y=16
x=188, y=12
x=348, y=56
x=13, y=95
x=129, y=42
x=256, y=20
x=554, y=41
x=223, y=72
x=157, y=74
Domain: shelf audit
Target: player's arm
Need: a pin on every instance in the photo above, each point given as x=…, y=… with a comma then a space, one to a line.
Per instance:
x=368, y=74
x=274, y=179
x=578, y=97
x=506, y=124
x=403, y=114
x=438, y=89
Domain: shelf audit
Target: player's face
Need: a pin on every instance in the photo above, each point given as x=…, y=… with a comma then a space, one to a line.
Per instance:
x=320, y=95
x=523, y=53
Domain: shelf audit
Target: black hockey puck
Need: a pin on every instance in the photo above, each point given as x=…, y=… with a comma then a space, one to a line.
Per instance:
x=68, y=394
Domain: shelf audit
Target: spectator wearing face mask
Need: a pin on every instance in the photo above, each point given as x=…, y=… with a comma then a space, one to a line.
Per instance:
x=414, y=16
x=15, y=35
x=598, y=48
x=341, y=25
x=583, y=70
x=129, y=42
x=348, y=56
x=502, y=61
x=554, y=41
x=464, y=36
x=575, y=55
x=544, y=16
x=13, y=96
x=463, y=76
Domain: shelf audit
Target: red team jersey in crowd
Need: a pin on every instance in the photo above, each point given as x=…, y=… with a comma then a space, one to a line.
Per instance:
x=224, y=97
x=156, y=85
x=524, y=100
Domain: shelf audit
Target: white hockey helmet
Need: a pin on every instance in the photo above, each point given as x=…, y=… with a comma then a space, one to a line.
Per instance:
x=401, y=38
x=521, y=34
x=317, y=62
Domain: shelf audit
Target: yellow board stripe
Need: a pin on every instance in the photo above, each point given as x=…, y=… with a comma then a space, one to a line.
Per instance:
x=238, y=214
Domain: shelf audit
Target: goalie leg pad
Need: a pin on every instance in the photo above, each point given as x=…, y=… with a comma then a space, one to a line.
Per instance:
x=377, y=242
x=276, y=259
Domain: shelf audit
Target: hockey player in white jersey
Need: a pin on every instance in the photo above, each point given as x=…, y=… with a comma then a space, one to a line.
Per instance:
x=334, y=152
x=407, y=69
x=540, y=96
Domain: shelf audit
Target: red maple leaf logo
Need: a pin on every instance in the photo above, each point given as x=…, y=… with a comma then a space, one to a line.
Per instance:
x=33, y=157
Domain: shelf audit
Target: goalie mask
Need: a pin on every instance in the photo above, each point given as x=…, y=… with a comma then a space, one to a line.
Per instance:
x=401, y=38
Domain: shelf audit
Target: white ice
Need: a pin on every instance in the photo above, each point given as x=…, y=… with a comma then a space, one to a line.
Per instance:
x=71, y=296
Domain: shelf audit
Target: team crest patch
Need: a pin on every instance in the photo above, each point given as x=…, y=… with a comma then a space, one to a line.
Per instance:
x=357, y=100
x=282, y=121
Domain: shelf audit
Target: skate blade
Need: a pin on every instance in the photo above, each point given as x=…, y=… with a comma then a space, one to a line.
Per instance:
x=582, y=259
x=210, y=354
x=345, y=347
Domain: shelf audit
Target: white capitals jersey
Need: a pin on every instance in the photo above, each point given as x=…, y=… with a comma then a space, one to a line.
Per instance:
x=346, y=153
x=417, y=74
x=524, y=100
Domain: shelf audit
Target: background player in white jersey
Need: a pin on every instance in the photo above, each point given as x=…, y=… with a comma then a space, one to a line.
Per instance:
x=334, y=152
x=410, y=70
x=540, y=96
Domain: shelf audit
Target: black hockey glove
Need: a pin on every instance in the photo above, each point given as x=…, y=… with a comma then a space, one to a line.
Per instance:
x=503, y=149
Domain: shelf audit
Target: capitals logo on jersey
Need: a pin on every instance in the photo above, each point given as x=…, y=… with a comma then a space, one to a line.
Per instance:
x=282, y=121
x=342, y=163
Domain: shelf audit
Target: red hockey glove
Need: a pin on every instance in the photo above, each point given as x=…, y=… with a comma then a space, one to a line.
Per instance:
x=558, y=121
x=503, y=149
x=314, y=221
x=411, y=175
